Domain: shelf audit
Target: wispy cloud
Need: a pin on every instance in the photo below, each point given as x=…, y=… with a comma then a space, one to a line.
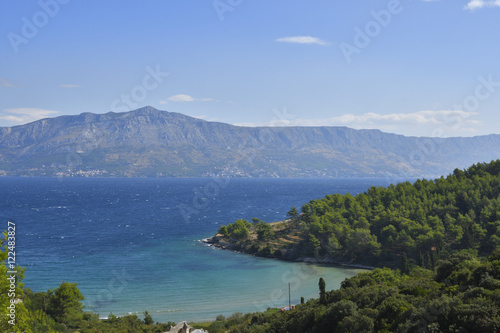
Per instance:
x=6, y=83
x=185, y=98
x=19, y=116
x=302, y=40
x=69, y=86
x=422, y=123
x=478, y=4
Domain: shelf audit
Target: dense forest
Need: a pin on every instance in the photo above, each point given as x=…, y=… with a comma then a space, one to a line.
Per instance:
x=461, y=295
x=436, y=244
x=398, y=226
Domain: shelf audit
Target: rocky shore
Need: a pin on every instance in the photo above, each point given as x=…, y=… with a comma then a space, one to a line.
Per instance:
x=220, y=242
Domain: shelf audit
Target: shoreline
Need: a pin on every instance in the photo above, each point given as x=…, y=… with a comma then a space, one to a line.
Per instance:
x=214, y=242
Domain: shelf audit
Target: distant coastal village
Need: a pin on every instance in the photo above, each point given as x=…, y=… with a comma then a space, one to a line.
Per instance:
x=54, y=171
x=152, y=143
x=63, y=171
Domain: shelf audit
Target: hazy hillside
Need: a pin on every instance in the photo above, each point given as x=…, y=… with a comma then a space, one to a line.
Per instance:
x=149, y=142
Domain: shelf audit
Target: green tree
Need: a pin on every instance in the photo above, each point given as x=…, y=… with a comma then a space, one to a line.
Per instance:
x=264, y=231
x=293, y=213
x=240, y=230
x=405, y=266
x=361, y=241
x=223, y=231
x=307, y=213
x=339, y=310
x=421, y=261
x=148, y=320
x=357, y=323
x=468, y=241
x=255, y=220
x=429, y=264
x=313, y=246
x=65, y=302
x=322, y=291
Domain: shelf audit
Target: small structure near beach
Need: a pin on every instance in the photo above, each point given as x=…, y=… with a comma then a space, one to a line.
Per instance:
x=286, y=308
x=183, y=327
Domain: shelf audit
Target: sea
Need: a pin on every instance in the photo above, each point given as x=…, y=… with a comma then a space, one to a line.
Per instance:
x=135, y=244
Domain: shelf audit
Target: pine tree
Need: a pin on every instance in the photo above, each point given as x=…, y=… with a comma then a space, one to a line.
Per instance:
x=421, y=262
x=404, y=263
x=429, y=263
x=293, y=213
x=148, y=320
x=468, y=237
x=322, y=292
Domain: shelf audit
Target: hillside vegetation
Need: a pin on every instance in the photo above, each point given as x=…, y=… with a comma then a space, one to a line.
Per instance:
x=399, y=226
x=461, y=295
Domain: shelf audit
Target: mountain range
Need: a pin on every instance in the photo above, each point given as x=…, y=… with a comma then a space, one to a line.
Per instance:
x=151, y=143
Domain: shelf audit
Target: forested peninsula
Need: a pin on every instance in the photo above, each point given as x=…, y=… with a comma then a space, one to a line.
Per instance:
x=397, y=227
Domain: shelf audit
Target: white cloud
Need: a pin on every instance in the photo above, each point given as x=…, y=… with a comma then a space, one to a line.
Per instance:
x=443, y=123
x=478, y=4
x=6, y=83
x=185, y=98
x=69, y=86
x=181, y=98
x=302, y=40
x=19, y=116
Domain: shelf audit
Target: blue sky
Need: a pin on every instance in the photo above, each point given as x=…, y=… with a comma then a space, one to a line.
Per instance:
x=412, y=67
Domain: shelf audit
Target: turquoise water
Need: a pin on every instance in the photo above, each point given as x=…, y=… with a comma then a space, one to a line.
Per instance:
x=134, y=244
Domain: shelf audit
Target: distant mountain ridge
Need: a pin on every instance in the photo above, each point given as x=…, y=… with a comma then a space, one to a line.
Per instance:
x=148, y=142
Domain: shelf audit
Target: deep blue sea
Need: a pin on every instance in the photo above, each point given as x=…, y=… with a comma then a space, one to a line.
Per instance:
x=134, y=244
